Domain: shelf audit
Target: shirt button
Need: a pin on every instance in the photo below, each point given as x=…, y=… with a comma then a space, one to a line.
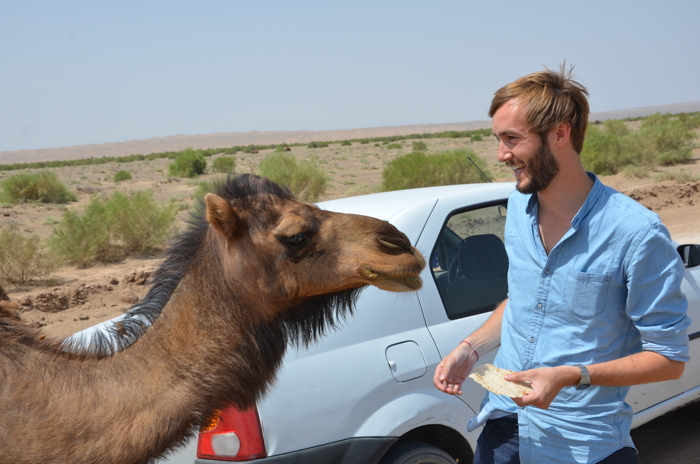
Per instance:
x=532, y=339
x=546, y=271
x=539, y=305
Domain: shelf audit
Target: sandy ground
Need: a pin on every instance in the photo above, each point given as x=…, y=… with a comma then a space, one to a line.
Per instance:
x=73, y=298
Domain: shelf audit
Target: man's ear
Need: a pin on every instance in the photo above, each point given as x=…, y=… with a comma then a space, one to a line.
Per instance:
x=221, y=215
x=562, y=134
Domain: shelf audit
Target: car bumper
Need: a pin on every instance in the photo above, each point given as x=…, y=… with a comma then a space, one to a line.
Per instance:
x=352, y=451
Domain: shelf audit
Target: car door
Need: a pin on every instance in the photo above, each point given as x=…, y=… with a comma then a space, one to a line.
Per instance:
x=468, y=264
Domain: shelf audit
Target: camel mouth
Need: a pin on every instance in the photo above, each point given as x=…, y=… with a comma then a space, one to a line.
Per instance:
x=395, y=282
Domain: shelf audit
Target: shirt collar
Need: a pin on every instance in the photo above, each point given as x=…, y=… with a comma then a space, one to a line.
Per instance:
x=591, y=200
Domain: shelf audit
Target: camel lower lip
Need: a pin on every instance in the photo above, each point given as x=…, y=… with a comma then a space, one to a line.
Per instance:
x=409, y=281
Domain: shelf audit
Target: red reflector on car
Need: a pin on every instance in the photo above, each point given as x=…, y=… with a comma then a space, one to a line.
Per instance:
x=232, y=435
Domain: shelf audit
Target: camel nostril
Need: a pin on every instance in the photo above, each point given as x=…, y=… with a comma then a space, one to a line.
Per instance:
x=390, y=245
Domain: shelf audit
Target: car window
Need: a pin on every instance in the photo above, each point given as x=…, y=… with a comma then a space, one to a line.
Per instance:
x=469, y=261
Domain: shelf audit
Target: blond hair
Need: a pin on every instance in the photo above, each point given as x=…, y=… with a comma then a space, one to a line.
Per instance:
x=551, y=98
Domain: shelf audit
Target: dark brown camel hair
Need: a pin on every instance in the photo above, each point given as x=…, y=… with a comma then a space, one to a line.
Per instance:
x=256, y=270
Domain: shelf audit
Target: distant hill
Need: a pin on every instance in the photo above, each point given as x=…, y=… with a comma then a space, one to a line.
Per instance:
x=229, y=139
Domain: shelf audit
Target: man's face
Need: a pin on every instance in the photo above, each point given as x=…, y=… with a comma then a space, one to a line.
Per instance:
x=528, y=154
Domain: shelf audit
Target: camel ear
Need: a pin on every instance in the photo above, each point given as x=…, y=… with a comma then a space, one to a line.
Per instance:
x=220, y=215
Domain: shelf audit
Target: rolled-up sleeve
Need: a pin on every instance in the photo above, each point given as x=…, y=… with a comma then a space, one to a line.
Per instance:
x=655, y=302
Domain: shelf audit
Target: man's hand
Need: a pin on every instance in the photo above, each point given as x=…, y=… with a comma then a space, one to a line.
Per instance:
x=451, y=373
x=546, y=383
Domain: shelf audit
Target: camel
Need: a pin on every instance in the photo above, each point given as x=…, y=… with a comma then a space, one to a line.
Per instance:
x=257, y=269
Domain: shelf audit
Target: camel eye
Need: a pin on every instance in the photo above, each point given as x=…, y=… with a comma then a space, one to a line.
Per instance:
x=296, y=240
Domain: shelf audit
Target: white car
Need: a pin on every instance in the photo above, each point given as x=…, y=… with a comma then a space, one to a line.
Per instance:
x=364, y=393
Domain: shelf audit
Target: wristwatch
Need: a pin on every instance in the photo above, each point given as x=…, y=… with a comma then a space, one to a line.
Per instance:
x=585, y=381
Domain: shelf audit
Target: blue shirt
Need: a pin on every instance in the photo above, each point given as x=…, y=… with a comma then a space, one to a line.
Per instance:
x=608, y=289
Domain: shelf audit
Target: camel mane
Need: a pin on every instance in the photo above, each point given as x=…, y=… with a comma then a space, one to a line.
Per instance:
x=300, y=325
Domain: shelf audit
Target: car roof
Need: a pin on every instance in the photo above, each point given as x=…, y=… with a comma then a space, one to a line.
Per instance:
x=386, y=205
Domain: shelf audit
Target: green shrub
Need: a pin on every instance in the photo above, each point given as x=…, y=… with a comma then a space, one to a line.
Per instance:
x=43, y=186
x=122, y=176
x=477, y=138
x=345, y=143
x=22, y=258
x=317, y=145
x=605, y=152
x=661, y=140
x=420, y=170
x=671, y=139
x=112, y=228
x=224, y=165
x=188, y=163
x=304, y=178
x=394, y=146
x=419, y=146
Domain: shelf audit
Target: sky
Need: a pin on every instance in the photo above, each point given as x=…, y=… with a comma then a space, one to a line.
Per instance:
x=90, y=72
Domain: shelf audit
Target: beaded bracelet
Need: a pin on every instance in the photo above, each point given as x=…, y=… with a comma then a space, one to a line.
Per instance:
x=470, y=346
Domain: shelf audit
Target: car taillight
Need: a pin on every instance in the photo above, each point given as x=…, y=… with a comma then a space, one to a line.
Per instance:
x=232, y=435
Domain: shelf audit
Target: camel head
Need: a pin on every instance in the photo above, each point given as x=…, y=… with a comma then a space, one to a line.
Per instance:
x=290, y=250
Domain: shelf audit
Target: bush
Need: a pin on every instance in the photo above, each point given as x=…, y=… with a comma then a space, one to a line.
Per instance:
x=113, y=227
x=43, y=186
x=477, y=138
x=122, y=176
x=304, y=178
x=224, y=165
x=420, y=170
x=22, y=258
x=188, y=163
x=671, y=139
x=394, y=146
x=419, y=146
x=317, y=145
x=614, y=147
x=345, y=143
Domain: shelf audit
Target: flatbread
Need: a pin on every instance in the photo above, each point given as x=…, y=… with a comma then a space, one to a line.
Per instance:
x=492, y=378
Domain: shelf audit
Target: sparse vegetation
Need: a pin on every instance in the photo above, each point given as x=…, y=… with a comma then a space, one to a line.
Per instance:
x=114, y=227
x=419, y=146
x=420, y=170
x=394, y=146
x=122, y=176
x=22, y=257
x=43, y=186
x=304, y=178
x=661, y=140
x=188, y=163
x=679, y=176
x=224, y=165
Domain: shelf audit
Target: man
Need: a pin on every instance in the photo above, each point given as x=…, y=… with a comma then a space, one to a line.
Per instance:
x=594, y=293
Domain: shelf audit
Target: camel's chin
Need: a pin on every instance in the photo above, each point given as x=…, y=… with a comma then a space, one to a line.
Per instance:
x=409, y=284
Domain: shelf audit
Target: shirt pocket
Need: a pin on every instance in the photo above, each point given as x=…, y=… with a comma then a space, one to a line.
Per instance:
x=587, y=292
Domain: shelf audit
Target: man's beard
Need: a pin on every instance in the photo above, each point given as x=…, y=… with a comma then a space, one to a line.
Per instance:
x=542, y=169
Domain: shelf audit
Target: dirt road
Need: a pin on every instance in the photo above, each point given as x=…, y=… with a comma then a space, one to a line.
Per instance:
x=671, y=439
